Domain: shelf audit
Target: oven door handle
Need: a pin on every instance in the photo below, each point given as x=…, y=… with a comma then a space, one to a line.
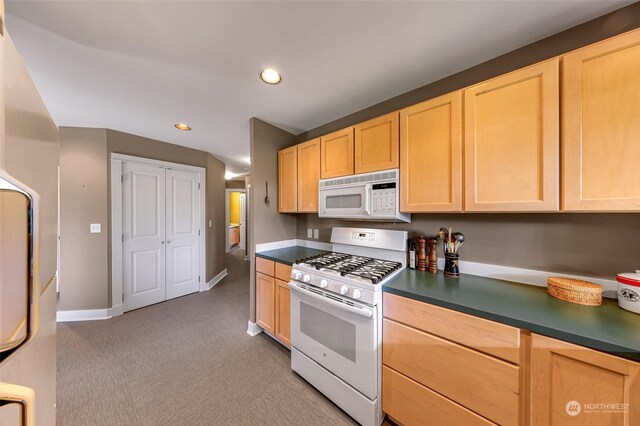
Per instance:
x=363, y=312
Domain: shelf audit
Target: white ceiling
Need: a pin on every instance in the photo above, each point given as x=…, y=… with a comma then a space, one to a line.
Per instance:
x=140, y=67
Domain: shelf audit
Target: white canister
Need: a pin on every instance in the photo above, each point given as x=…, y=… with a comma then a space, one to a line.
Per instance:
x=629, y=291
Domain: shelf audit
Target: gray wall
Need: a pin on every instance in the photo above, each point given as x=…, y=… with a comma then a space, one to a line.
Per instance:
x=84, y=276
x=86, y=198
x=606, y=26
x=265, y=223
x=235, y=184
x=594, y=245
x=215, y=213
x=29, y=152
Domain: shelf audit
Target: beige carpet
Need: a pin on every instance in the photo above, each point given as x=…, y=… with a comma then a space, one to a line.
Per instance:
x=188, y=361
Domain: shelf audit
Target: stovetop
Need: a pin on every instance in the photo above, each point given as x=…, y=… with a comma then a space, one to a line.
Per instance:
x=351, y=266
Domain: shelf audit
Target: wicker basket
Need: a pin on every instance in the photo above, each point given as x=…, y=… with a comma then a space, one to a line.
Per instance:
x=575, y=291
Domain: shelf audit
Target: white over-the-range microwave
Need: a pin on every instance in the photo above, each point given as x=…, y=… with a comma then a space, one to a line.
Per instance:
x=368, y=196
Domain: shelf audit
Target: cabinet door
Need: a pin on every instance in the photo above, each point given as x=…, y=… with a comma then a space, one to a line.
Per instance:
x=283, y=313
x=601, y=116
x=376, y=144
x=431, y=155
x=308, y=175
x=568, y=382
x=288, y=180
x=265, y=302
x=336, y=154
x=512, y=144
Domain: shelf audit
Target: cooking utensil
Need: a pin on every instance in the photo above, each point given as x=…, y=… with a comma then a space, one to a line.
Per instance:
x=444, y=235
x=458, y=239
x=266, y=199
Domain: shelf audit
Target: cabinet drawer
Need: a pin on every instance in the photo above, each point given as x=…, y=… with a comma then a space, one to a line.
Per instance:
x=283, y=272
x=265, y=266
x=483, y=384
x=483, y=335
x=410, y=403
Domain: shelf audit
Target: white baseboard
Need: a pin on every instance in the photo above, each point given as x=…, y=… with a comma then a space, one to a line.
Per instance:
x=525, y=276
x=215, y=280
x=253, y=329
x=85, y=315
x=117, y=310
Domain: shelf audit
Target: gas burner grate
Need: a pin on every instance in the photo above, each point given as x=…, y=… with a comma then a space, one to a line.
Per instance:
x=376, y=270
x=323, y=260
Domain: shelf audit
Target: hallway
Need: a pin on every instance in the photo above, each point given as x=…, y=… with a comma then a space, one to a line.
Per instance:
x=187, y=361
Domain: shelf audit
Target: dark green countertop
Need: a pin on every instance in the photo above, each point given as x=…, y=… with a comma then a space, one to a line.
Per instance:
x=607, y=328
x=289, y=255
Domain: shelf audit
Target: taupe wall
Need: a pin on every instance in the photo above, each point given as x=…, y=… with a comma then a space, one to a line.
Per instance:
x=265, y=223
x=614, y=23
x=85, y=160
x=29, y=152
x=235, y=184
x=581, y=244
x=84, y=277
x=215, y=213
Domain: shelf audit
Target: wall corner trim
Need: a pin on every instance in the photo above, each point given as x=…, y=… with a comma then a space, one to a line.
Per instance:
x=253, y=329
x=215, y=280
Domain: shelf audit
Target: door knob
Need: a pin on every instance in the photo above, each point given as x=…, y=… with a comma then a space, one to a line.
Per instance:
x=161, y=242
x=169, y=242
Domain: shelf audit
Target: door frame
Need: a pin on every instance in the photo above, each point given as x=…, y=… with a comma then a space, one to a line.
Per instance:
x=227, y=191
x=117, y=278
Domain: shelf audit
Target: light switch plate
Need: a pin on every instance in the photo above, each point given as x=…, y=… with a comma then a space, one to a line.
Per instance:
x=95, y=228
x=309, y=233
x=210, y=223
x=316, y=234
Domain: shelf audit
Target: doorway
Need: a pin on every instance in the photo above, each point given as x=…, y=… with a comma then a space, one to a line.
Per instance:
x=236, y=219
x=158, y=210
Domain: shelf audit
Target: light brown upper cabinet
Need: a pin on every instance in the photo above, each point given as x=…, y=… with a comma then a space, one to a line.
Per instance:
x=601, y=126
x=511, y=132
x=431, y=155
x=288, y=180
x=565, y=378
x=376, y=144
x=336, y=154
x=308, y=175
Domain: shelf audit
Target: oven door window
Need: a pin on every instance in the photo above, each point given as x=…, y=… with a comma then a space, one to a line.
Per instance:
x=330, y=331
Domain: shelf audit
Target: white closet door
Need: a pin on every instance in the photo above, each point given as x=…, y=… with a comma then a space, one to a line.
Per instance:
x=144, y=235
x=183, y=207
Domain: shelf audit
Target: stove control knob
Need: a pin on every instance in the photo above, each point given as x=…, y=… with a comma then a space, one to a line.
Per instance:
x=344, y=289
x=324, y=283
x=306, y=278
x=357, y=294
x=297, y=275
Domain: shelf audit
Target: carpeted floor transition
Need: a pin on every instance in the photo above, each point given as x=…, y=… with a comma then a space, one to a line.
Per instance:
x=187, y=361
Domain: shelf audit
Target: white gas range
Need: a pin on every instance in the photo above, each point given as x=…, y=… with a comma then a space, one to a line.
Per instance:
x=336, y=317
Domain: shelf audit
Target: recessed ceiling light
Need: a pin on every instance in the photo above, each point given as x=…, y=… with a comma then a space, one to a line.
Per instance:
x=183, y=127
x=270, y=76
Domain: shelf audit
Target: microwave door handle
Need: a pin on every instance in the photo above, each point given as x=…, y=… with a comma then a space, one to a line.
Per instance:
x=363, y=312
x=367, y=192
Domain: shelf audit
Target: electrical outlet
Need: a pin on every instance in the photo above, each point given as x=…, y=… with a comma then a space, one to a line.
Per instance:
x=95, y=228
x=309, y=233
x=316, y=234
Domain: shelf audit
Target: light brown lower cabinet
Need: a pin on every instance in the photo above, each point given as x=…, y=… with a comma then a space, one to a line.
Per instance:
x=436, y=370
x=576, y=385
x=265, y=302
x=272, y=299
x=283, y=313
